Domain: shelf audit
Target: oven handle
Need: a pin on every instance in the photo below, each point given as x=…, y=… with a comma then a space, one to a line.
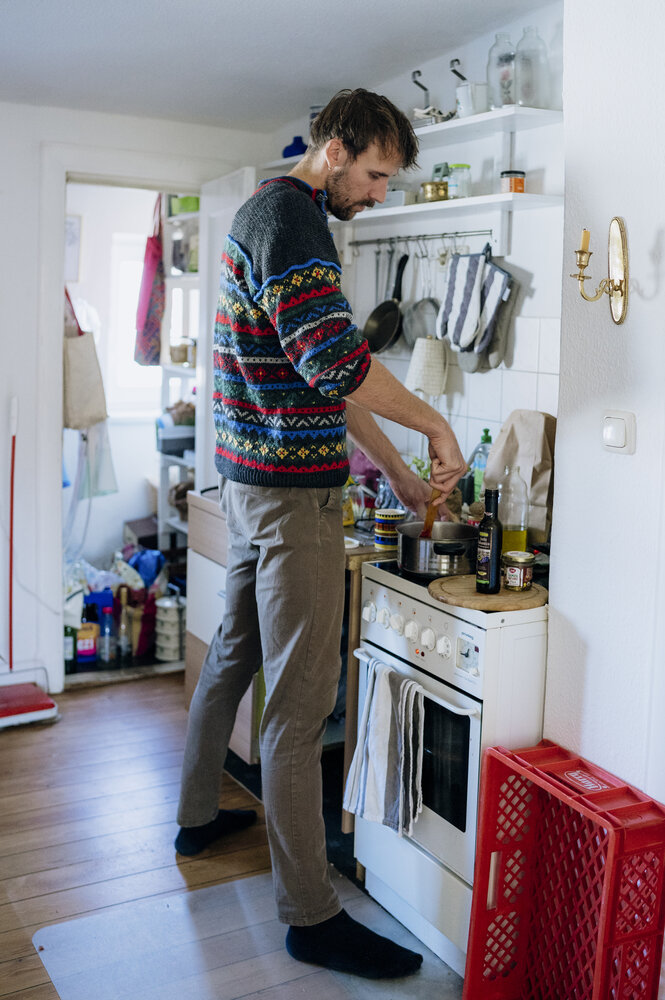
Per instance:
x=362, y=654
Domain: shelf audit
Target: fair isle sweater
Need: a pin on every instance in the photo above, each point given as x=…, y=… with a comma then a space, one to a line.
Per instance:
x=286, y=350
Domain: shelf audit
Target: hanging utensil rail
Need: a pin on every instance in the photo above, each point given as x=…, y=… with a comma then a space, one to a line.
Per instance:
x=386, y=240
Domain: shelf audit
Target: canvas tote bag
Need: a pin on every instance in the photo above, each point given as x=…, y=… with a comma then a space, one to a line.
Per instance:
x=84, y=401
x=152, y=296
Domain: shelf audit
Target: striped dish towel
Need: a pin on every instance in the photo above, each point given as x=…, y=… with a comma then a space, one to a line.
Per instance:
x=475, y=291
x=384, y=784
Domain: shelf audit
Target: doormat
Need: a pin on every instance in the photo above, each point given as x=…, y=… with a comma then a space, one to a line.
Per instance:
x=218, y=943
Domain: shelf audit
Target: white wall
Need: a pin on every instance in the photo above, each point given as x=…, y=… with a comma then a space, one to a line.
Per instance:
x=40, y=146
x=529, y=376
x=605, y=675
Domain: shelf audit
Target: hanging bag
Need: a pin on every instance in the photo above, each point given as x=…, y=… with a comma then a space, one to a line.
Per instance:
x=152, y=296
x=83, y=398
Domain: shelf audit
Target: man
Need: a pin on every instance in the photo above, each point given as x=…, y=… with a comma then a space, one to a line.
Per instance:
x=288, y=359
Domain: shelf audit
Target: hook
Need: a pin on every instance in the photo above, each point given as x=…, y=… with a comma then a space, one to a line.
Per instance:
x=453, y=64
x=415, y=77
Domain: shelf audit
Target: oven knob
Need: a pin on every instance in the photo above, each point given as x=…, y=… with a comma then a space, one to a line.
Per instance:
x=444, y=646
x=383, y=617
x=411, y=631
x=369, y=611
x=428, y=638
x=397, y=624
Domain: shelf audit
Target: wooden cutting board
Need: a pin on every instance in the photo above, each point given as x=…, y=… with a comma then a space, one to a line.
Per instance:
x=460, y=591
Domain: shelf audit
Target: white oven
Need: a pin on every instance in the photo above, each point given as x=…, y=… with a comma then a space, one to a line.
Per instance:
x=483, y=676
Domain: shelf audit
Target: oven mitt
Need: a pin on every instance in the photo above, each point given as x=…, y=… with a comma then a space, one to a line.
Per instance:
x=494, y=292
x=497, y=346
x=458, y=317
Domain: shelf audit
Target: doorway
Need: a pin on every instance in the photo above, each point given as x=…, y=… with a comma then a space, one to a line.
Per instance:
x=108, y=226
x=62, y=164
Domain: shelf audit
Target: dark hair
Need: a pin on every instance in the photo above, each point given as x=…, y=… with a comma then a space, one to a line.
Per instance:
x=360, y=118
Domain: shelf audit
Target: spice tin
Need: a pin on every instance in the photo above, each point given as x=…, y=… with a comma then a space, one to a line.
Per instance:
x=512, y=180
x=517, y=570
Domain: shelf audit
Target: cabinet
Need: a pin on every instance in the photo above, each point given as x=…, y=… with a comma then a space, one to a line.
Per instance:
x=206, y=596
x=178, y=361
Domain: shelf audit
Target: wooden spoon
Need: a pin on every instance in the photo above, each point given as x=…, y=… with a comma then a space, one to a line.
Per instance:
x=430, y=515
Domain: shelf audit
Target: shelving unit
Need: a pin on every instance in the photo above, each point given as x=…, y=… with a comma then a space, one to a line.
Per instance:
x=180, y=323
x=504, y=123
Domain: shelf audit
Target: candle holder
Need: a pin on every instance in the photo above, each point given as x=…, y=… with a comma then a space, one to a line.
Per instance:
x=616, y=284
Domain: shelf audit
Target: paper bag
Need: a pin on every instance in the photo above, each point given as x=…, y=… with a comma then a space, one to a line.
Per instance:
x=527, y=440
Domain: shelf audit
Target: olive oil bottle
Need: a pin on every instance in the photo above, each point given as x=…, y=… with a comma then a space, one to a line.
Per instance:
x=490, y=532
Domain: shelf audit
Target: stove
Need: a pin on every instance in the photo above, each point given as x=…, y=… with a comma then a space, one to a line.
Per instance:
x=483, y=676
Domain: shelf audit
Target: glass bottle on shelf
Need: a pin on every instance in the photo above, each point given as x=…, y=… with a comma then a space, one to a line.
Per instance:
x=531, y=70
x=500, y=72
x=513, y=510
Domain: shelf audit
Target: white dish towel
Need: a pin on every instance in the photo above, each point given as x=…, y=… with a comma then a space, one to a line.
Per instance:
x=384, y=783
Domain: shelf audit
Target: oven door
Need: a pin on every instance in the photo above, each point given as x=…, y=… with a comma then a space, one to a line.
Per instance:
x=446, y=827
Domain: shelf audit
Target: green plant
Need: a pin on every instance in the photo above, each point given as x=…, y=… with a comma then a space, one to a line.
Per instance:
x=421, y=466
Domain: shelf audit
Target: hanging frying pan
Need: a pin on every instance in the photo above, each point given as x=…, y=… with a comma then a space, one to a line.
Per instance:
x=384, y=324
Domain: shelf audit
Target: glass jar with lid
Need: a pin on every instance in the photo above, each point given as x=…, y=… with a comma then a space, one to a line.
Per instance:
x=459, y=181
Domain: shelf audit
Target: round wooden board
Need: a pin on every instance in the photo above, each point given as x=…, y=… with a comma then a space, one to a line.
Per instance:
x=460, y=591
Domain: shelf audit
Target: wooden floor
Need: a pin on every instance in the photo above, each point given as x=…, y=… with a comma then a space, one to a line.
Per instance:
x=87, y=818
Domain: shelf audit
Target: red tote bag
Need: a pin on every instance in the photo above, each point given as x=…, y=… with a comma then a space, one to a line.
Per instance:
x=152, y=297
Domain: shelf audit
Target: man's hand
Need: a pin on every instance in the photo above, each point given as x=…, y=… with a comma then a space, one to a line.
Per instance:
x=412, y=492
x=448, y=464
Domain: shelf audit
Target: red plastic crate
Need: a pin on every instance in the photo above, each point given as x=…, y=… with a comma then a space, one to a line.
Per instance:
x=568, y=897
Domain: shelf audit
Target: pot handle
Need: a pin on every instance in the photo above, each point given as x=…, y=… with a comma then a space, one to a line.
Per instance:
x=448, y=548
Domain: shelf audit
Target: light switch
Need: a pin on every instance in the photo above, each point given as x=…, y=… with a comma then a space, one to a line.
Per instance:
x=619, y=431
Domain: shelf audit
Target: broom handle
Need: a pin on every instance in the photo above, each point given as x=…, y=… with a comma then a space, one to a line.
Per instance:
x=13, y=424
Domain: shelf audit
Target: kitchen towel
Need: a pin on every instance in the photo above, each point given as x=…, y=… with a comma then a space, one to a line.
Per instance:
x=476, y=290
x=384, y=783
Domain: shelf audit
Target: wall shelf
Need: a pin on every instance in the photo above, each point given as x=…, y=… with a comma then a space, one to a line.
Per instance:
x=462, y=206
x=504, y=120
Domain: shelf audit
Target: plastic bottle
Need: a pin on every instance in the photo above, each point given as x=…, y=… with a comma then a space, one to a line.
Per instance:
x=107, y=638
x=478, y=462
x=513, y=510
x=124, y=644
x=488, y=563
x=531, y=70
x=500, y=72
x=87, y=636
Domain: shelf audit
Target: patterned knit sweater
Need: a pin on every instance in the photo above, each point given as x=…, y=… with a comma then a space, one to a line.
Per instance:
x=286, y=350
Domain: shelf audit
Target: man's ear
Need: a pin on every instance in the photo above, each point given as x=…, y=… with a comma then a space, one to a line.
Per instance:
x=335, y=153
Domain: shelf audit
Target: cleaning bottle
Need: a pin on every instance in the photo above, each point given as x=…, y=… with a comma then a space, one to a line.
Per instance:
x=478, y=462
x=124, y=643
x=88, y=636
x=107, y=638
x=513, y=510
x=488, y=564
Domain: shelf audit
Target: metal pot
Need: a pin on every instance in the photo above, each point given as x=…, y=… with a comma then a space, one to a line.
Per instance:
x=451, y=551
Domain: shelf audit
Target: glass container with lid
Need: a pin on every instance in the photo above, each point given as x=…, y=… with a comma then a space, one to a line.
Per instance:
x=459, y=181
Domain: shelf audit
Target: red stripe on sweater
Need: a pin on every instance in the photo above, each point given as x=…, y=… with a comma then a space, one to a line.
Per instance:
x=269, y=410
x=264, y=467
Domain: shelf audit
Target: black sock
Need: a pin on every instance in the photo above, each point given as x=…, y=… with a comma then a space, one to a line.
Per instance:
x=344, y=945
x=194, y=839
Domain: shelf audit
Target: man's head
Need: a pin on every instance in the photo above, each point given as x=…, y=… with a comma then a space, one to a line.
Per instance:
x=359, y=141
x=360, y=119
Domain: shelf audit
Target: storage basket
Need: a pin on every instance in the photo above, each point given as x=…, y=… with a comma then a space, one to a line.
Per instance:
x=568, y=900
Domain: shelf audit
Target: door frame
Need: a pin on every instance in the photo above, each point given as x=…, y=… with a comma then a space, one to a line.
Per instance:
x=61, y=163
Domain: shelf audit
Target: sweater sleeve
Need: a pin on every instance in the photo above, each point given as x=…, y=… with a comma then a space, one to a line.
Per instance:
x=297, y=284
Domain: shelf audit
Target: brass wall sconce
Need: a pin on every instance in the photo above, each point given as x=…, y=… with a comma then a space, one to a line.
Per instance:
x=616, y=284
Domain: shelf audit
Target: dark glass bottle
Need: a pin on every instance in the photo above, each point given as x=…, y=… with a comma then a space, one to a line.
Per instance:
x=490, y=532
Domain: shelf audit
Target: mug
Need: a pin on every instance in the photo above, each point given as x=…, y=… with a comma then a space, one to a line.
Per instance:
x=471, y=99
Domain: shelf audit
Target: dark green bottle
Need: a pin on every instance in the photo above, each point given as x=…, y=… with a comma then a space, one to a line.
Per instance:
x=490, y=532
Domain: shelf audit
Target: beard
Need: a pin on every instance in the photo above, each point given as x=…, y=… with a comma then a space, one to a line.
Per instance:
x=340, y=201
